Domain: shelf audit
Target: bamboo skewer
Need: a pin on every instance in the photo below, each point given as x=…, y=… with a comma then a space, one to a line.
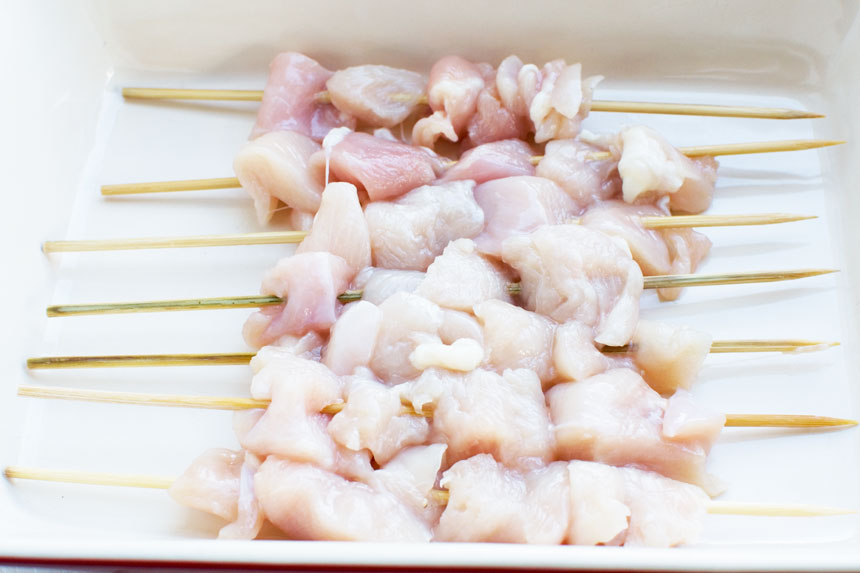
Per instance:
x=659, y=281
x=241, y=358
x=288, y=237
x=231, y=403
x=752, y=112
x=438, y=495
x=697, y=151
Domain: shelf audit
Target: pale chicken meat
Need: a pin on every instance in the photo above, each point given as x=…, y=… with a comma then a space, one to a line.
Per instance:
x=457, y=324
x=221, y=482
x=588, y=182
x=616, y=418
x=492, y=503
x=631, y=507
x=407, y=321
x=378, y=284
x=411, y=477
x=574, y=355
x=276, y=167
x=379, y=96
x=353, y=338
x=482, y=412
x=307, y=502
x=373, y=418
x=292, y=425
x=339, y=228
x=409, y=233
x=384, y=169
x=519, y=205
x=460, y=278
x=568, y=272
x=516, y=338
x=495, y=160
x=657, y=251
x=311, y=283
x=669, y=356
x=650, y=167
x=493, y=122
x=291, y=102
x=452, y=92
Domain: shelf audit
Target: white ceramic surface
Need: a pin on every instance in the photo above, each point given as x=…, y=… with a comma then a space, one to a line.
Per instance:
x=66, y=131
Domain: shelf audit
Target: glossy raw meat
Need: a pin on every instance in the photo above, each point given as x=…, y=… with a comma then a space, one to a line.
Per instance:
x=379, y=96
x=516, y=338
x=460, y=278
x=574, y=355
x=506, y=158
x=412, y=231
x=340, y=228
x=519, y=205
x=568, y=272
x=372, y=419
x=452, y=93
x=411, y=476
x=669, y=356
x=489, y=502
x=379, y=284
x=353, y=338
x=616, y=418
x=687, y=249
x=306, y=502
x=587, y=182
x=384, y=169
x=276, y=167
x=290, y=100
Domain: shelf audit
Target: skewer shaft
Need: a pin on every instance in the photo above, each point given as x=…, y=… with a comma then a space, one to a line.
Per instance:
x=170, y=186
x=596, y=105
x=215, y=359
x=664, y=281
x=438, y=495
x=230, y=403
x=288, y=237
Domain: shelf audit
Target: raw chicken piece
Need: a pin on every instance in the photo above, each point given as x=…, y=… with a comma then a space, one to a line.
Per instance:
x=249, y=514
x=276, y=167
x=518, y=205
x=508, y=86
x=687, y=248
x=569, y=272
x=372, y=419
x=587, y=182
x=516, y=338
x=306, y=502
x=493, y=122
x=339, y=227
x=574, y=355
x=407, y=321
x=460, y=278
x=427, y=389
x=253, y=332
x=650, y=167
x=300, y=220
x=311, y=282
x=379, y=284
x=290, y=100
x=379, y=96
x=353, y=338
x=452, y=93
x=659, y=251
x=616, y=418
x=292, y=426
x=410, y=476
x=385, y=169
x=631, y=507
x=503, y=415
x=462, y=355
x=457, y=324
x=489, y=502
x=411, y=232
x=307, y=346
x=669, y=356
x=506, y=158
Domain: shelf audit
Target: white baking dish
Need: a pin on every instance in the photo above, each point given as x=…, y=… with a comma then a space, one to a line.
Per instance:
x=66, y=131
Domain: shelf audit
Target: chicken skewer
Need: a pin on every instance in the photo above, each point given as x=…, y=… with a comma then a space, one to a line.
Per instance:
x=652, y=282
x=241, y=358
x=232, y=403
x=291, y=237
x=164, y=482
x=697, y=151
x=663, y=108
